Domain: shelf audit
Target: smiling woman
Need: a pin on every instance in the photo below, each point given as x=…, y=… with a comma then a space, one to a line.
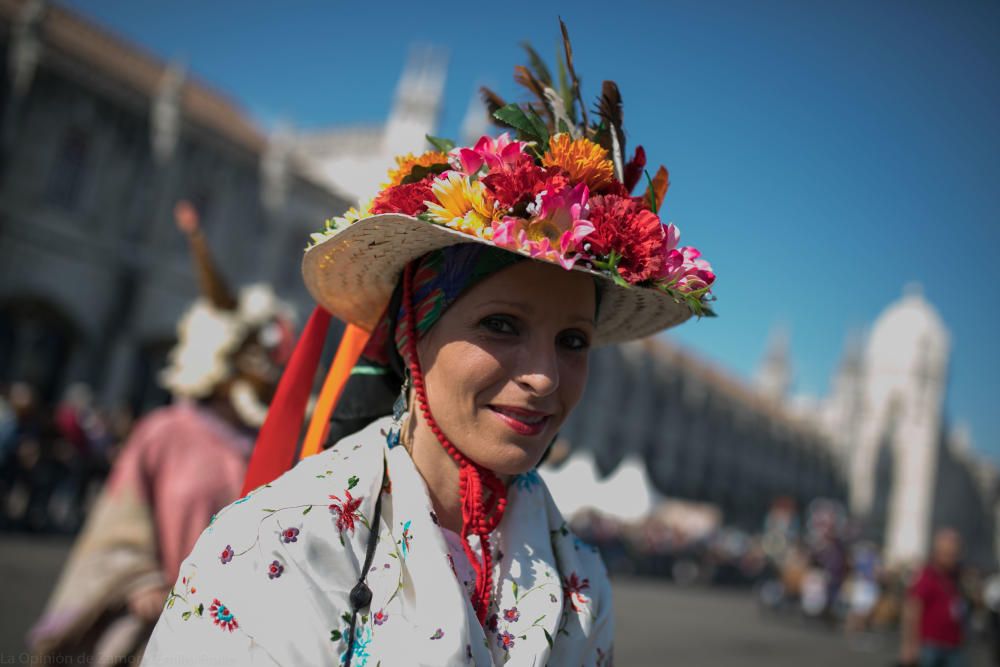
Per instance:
x=483, y=276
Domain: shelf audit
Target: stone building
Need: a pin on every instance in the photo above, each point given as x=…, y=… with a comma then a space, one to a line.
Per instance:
x=99, y=140
x=698, y=433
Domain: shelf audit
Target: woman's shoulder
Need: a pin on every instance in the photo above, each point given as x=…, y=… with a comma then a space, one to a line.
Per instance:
x=294, y=543
x=351, y=461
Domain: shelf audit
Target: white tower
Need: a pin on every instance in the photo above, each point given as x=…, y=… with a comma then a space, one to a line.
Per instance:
x=418, y=102
x=774, y=376
x=355, y=160
x=906, y=363
x=842, y=410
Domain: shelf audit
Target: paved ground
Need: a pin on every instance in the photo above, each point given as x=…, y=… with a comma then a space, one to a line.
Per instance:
x=658, y=623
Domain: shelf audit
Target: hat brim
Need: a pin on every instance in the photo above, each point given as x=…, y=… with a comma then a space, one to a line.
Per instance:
x=353, y=273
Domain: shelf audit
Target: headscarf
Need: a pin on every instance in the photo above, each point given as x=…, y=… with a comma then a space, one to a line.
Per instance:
x=440, y=278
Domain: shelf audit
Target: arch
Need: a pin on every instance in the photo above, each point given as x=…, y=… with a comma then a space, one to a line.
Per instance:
x=37, y=341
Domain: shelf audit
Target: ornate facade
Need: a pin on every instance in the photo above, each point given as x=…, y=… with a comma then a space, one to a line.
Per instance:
x=98, y=141
x=698, y=433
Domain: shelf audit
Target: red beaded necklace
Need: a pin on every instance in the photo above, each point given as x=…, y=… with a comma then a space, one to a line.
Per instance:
x=480, y=513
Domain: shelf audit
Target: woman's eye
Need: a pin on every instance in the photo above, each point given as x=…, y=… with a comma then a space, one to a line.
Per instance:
x=499, y=325
x=574, y=341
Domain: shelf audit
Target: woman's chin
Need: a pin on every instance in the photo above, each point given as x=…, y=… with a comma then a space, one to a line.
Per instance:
x=514, y=457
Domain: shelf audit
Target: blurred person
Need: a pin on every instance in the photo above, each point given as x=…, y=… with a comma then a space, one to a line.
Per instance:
x=935, y=610
x=31, y=470
x=180, y=464
x=72, y=457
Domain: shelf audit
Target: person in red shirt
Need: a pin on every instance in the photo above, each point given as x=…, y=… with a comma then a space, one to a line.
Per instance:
x=935, y=610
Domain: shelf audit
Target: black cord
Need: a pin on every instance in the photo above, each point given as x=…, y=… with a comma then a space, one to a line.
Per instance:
x=361, y=595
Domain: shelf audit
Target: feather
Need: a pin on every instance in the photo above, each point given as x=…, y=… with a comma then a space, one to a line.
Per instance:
x=609, y=108
x=559, y=112
x=523, y=76
x=493, y=103
x=568, y=50
x=657, y=189
x=565, y=92
x=541, y=71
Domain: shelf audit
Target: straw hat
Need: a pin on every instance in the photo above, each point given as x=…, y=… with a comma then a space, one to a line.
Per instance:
x=352, y=275
x=560, y=191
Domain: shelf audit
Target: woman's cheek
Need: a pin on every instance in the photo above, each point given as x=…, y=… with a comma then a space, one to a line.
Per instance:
x=574, y=379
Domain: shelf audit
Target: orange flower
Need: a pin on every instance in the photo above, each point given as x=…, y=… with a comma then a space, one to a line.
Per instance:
x=406, y=163
x=582, y=159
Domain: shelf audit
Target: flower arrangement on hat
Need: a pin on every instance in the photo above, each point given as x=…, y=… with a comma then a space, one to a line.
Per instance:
x=558, y=190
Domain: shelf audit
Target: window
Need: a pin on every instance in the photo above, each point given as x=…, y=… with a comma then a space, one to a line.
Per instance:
x=66, y=177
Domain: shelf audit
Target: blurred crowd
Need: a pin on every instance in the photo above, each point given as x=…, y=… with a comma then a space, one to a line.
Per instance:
x=54, y=457
x=815, y=567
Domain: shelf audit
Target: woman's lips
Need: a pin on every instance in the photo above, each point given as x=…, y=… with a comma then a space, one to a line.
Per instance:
x=521, y=420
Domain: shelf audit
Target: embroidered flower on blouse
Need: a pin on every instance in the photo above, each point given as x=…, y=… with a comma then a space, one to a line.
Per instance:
x=407, y=538
x=505, y=640
x=346, y=511
x=380, y=617
x=275, y=569
x=438, y=634
x=227, y=554
x=290, y=535
x=491, y=623
x=222, y=617
x=573, y=587
x=511, y=615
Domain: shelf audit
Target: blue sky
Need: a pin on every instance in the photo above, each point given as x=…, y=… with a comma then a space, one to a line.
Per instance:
x=822, y=155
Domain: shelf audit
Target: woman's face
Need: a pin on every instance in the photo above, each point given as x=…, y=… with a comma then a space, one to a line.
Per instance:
x=507, y=362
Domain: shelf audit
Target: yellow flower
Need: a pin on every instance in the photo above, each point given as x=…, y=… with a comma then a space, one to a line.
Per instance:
x=336, y=224
x=406, y=163
x=582, y=159
x=463, y=205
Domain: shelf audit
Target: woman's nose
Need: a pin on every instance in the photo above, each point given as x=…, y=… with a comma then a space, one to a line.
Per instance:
x=538, y=371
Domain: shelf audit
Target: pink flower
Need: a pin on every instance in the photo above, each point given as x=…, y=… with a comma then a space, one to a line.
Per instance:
x=496, y=154
x=556, y=230
x=684, y=270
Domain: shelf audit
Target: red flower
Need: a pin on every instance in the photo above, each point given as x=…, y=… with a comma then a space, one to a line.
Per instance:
x=516, y=184
x=346, y=511
x=634, y=233
x=573, y=588
x=221, y=616
x=407, y=198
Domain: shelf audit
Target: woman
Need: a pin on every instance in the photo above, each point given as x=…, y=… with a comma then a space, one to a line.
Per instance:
x=192, y=453
x=484, y=275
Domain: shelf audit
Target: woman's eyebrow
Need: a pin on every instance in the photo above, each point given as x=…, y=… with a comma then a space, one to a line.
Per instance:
x=515, y=305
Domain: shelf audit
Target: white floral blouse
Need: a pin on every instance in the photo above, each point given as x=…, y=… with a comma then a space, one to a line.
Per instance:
x=268, y=582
